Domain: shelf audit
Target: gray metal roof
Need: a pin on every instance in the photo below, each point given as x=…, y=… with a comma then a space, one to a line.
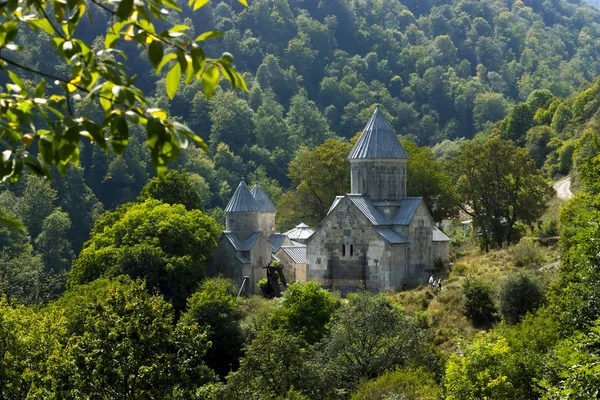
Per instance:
x=242, y=245
x=335, y=203
x=262, y=200
x=296, y=253
x=378, y=140
x=276, y=240
x=300, y=232
x=391, y=236
x=243, y=260
x=274, y=259
x=439, y=236
x=242, y=200
x=407, y=210
x=365, y=206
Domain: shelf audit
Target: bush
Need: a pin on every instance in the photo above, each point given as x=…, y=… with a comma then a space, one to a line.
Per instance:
x=519, y=294
x=305, y=311
x=527, y=254
x=438, y=264
x=478, y=302
x=549, y=229
x=263, y=284
x=412, y=383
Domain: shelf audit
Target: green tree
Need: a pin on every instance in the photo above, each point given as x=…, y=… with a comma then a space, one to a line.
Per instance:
x=172, y=188
x=104, y=79
x=275, y=363
x=478, y=302
x=305, y=123
x=427, y=179
x=518, y=295
x=27, y=340
x=488, y=107
x=122, y=342
x=481, y=372
x=52, y=244
x=318, y=176
x=305, y=311
x=537, y=141
x=231, y=121
x=76, y=198
x=39, y=198
x=369, y=337
x=499, y=186
x=214, y=310
x=165, y=244
x=575, y=366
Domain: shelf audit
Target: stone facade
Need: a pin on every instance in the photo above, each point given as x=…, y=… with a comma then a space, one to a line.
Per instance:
x=376, y=237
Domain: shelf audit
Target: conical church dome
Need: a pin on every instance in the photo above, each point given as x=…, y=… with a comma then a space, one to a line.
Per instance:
x=378, y=141
x=262, y=200
x=242, y=200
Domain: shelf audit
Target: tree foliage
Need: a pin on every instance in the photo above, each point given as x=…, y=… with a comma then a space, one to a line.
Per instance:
x=478, y=302
x=100, y=75
x=500, y=187
x=164, y=244
x=305, y=311
x=213, y=308
x=173, y=187
x=319, y=176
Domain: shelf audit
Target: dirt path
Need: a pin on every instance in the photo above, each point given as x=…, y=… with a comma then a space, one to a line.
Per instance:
x=563, y=188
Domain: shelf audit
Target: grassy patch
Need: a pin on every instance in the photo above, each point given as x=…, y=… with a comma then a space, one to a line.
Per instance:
x=448, y=327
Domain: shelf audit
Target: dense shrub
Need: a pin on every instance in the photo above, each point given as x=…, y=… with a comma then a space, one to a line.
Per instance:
x=403, y=383
x=478, y=302
x=518, y=295
x=527, y=254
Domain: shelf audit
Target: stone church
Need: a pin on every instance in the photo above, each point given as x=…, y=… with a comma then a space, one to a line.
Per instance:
x=374, y=237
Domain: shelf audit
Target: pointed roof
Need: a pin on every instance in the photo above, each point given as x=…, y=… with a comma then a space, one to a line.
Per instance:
x=242, y=200
x=262, y=200
x=378, y=140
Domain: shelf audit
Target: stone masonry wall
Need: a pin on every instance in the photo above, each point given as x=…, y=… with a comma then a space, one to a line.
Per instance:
x=346, y=254
x=379, y=179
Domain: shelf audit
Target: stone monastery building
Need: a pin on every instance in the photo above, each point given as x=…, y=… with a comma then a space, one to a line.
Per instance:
x=374, y=237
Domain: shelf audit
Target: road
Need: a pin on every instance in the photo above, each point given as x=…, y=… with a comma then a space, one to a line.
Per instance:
x=563, y=188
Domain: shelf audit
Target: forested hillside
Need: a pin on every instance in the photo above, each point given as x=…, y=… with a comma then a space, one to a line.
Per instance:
x=105, y=294
x=441, y=69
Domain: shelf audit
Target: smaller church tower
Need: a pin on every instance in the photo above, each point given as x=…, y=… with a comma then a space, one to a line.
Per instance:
x=266, y=218
x=378, y=162
x=242, y=213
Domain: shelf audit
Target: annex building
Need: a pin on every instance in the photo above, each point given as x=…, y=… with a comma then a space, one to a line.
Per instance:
x=374, y=237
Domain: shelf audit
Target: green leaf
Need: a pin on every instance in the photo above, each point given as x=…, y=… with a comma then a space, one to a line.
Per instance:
x=37, y=166
x=173, y=78
x=179, y=28
x=44, y=24
x=120, y=134
x=40, y=89
x=15, y=78
x=155, y=53
x=209, y=35
x=210, y=80
x=199, y=4
x=11, y=222
x=164, y=61
x=198, y=59
x=124, y=9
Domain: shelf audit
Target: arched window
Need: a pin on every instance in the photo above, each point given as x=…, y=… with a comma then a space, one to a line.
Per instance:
x=351, y=250
x=343, y=250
